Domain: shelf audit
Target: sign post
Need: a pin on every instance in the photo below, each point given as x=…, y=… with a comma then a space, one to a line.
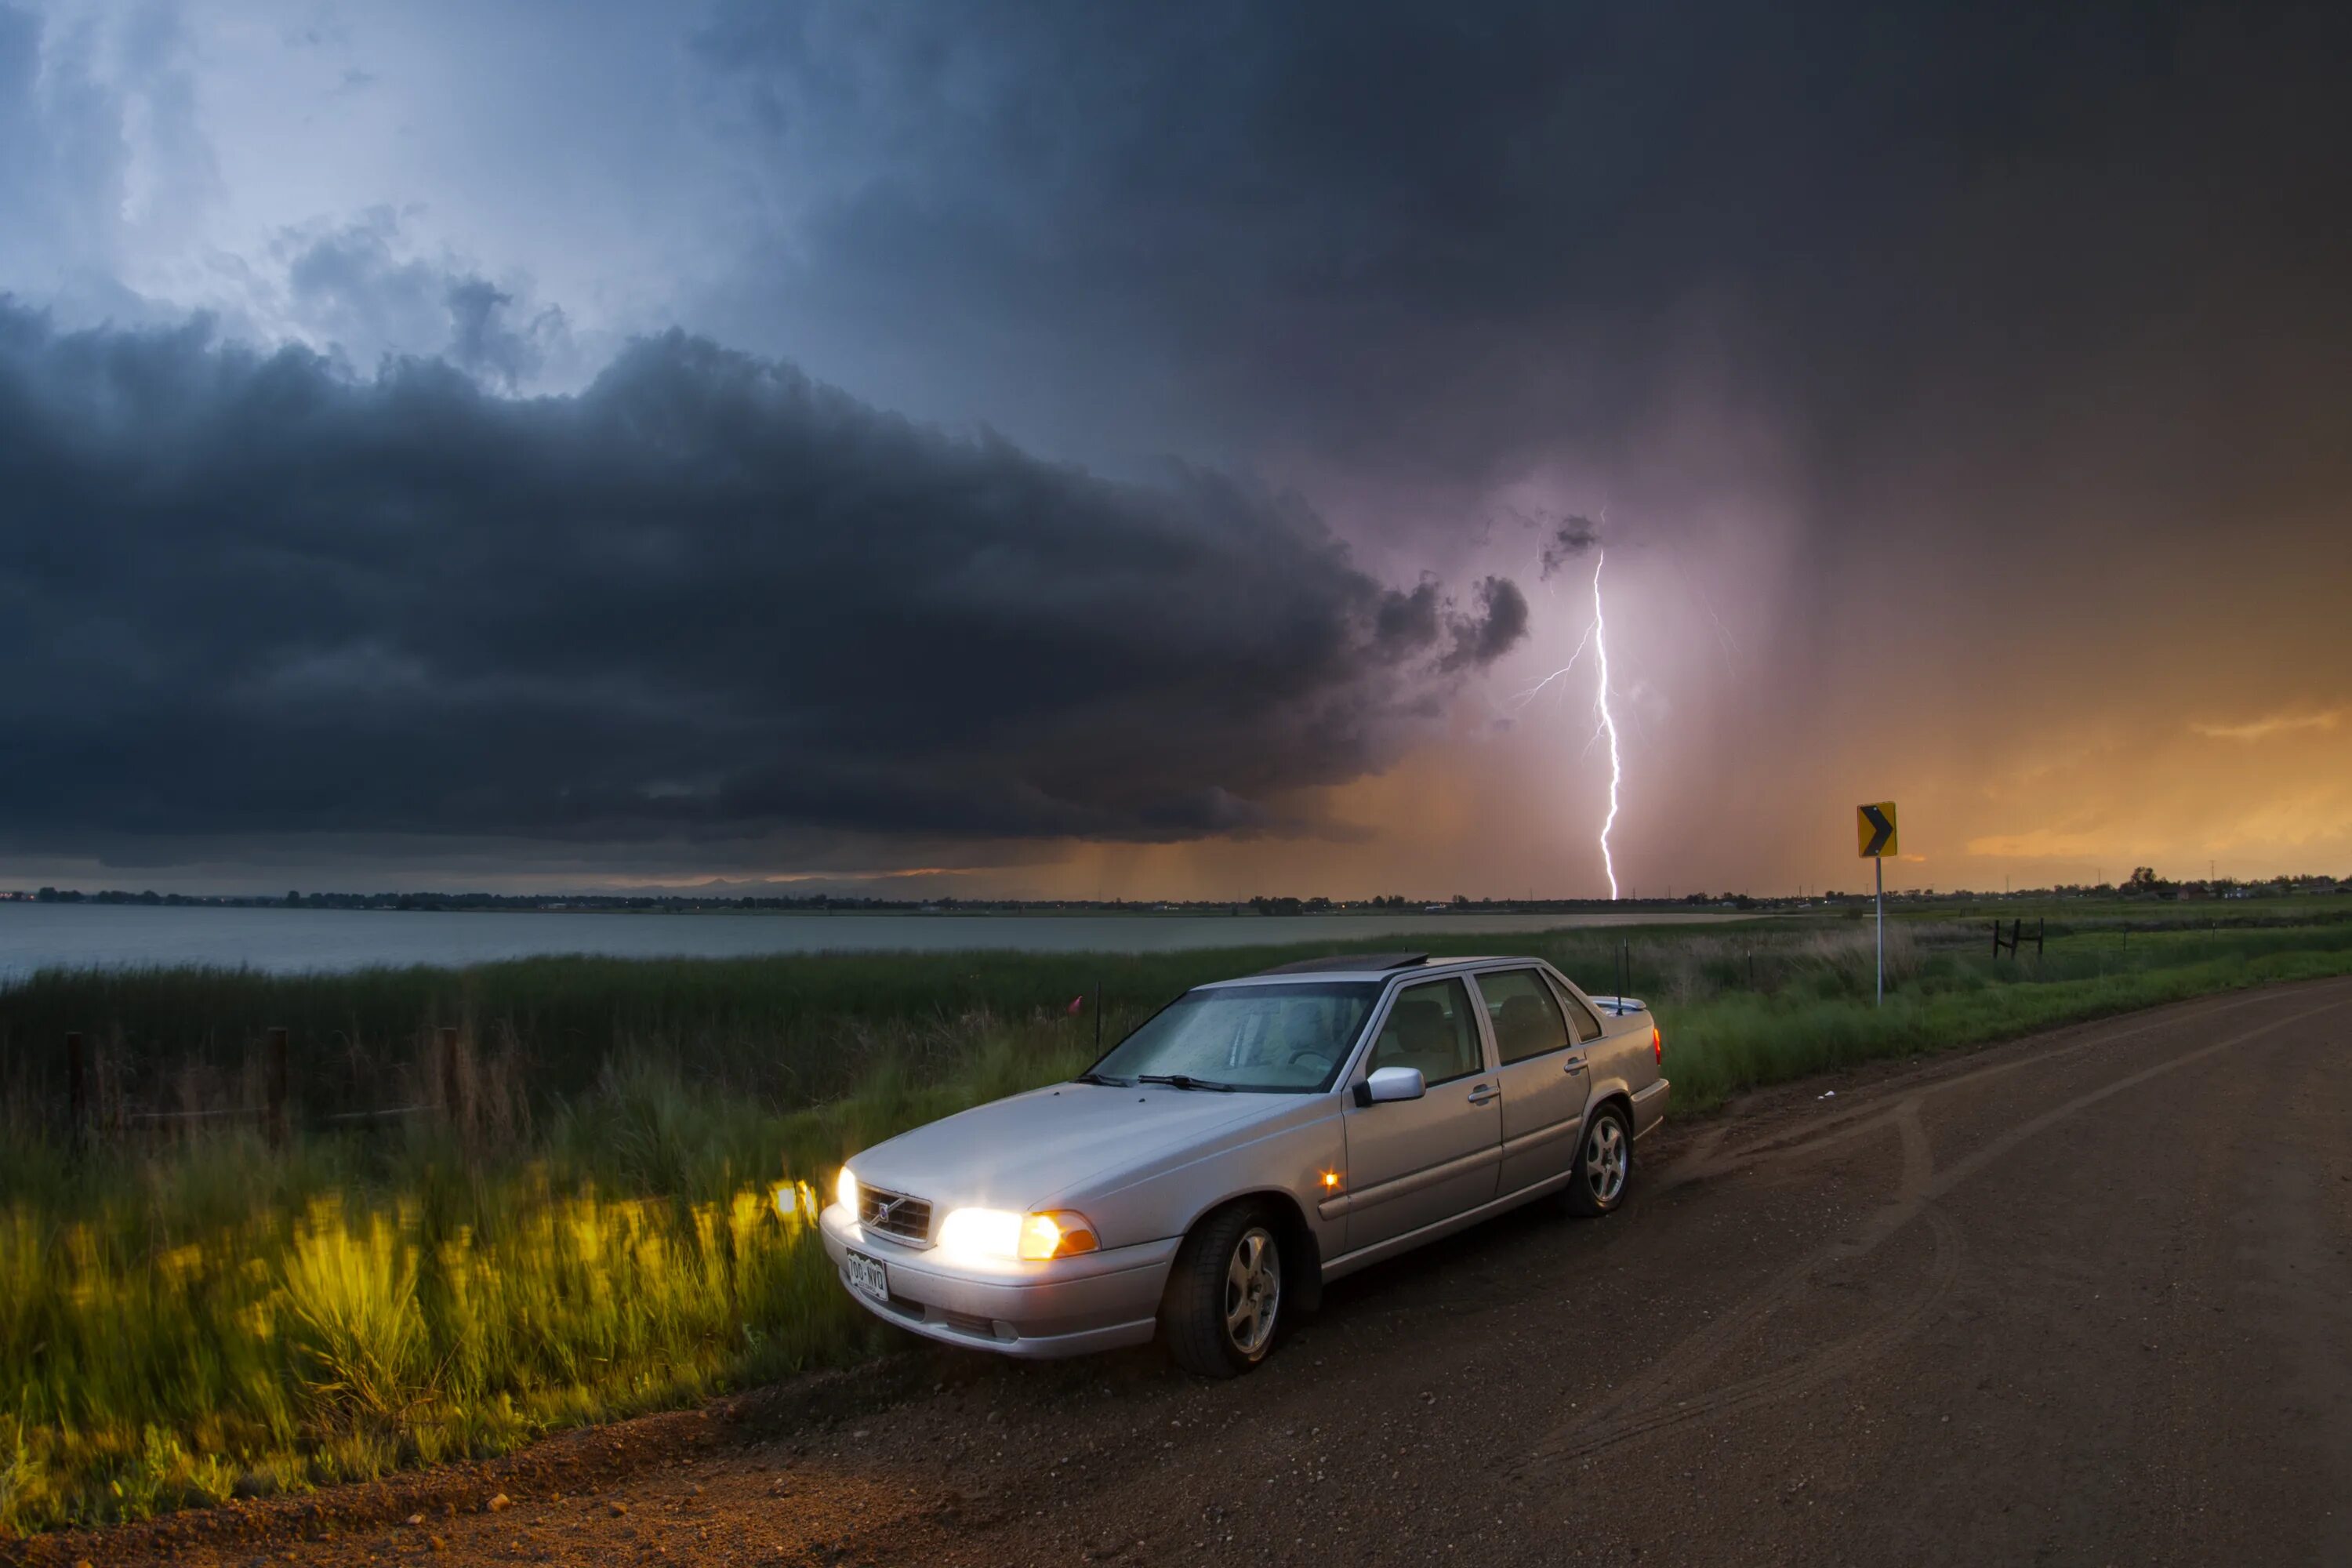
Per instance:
x=1874, y=836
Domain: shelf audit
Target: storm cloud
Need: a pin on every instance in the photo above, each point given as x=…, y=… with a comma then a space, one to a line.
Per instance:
x=1449, y=246
x=1911, y=356
x=705, y=598
x=1567, y=541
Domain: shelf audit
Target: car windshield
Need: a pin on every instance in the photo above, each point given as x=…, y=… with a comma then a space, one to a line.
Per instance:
x=1282, y=1039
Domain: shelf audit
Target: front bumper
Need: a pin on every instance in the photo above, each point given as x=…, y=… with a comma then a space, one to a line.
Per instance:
x=1068, y=1306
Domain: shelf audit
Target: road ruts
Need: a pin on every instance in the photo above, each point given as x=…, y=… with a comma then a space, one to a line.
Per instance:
x=2085, y=1298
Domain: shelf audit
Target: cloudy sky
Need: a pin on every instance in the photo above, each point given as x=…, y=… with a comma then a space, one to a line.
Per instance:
x=1164, y=451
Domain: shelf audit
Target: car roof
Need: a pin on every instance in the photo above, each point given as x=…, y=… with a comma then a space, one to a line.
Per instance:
x=1367, y=966
x=1351, y=964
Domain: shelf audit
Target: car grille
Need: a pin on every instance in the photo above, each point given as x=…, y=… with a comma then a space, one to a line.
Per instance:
x=895, y=1213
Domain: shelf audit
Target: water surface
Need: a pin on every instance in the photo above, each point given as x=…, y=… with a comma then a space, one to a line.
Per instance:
x=36, y=936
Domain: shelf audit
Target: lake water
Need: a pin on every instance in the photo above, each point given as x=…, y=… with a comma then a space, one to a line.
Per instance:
x=36, y=936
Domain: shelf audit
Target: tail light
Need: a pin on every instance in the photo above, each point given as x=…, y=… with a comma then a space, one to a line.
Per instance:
x=1658, y=1044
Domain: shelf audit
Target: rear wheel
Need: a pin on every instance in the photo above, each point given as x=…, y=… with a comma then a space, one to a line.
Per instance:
x=1225, y=1293
x=1604, y=1165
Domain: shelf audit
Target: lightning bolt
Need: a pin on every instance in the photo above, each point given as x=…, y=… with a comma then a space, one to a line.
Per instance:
x=1608, y=720
x=1596, y=637
x=1532, y=692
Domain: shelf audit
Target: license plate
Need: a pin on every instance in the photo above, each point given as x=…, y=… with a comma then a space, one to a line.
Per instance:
x=867, y=1276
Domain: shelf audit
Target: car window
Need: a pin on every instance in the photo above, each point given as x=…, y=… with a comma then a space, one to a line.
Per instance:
x=1429, y=1028
x=1588, y=1027
x=1527, y=1021
x=1289, y=1037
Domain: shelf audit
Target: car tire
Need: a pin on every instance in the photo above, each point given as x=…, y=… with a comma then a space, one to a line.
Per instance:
x=1225, y=1293
x=1604, y=1165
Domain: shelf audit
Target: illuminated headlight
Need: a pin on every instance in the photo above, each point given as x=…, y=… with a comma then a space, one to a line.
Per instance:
x=845, y=1191
x=999, y=1234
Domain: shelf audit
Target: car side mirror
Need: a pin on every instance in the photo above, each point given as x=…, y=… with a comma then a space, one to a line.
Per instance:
x=1391, y=1083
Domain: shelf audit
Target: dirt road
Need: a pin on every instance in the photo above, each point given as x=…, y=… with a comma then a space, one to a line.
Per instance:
x=2085, y=1298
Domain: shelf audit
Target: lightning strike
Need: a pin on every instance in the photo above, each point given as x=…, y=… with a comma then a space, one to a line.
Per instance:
x=1532, y=692
x=1595, y=638
x=1607, y=721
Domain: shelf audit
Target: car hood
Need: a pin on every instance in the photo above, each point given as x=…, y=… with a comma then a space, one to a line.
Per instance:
x=1020, y=1153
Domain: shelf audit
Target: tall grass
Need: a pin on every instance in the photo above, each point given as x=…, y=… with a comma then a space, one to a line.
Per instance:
x=353, y=1334
x=189, y=1316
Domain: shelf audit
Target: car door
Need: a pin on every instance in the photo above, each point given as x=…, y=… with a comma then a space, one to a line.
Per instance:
x=1412, y=1162
x=1543, y=1072
x=1618, y=1059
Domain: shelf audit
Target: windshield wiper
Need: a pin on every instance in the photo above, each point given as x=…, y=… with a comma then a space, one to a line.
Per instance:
x=1184, y=1080
x=1105, y=1082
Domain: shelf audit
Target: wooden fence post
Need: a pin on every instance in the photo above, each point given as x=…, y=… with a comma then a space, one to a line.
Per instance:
x=449, y=1092
x=276, y=1125
x=77, y=1087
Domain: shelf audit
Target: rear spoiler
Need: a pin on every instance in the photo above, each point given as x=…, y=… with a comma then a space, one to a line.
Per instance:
x=1618, y=1007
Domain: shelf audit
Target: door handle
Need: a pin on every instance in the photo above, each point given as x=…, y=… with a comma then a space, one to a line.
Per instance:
x=1573, y=1064
x=1484, y=1094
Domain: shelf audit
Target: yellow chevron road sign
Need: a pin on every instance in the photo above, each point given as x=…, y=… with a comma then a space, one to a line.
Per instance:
x=1875, y=829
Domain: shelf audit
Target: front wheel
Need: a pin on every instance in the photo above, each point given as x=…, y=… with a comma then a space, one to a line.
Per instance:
x=1224, y=1294
x=1605, y=1163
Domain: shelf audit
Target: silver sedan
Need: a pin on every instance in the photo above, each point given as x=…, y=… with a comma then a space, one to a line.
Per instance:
x=1253, y=1141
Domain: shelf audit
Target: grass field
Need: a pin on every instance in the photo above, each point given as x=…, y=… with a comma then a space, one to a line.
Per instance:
x=608, y=1208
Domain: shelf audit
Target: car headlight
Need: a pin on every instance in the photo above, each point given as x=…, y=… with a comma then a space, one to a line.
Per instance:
x=997, y=1233
x=845, y=1191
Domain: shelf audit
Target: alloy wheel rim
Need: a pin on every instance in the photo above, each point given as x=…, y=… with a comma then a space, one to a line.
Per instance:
x=1252, y=1290
x=1604, y=1160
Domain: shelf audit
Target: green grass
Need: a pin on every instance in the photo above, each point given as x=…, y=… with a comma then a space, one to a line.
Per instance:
x=1732, y=1042
x=2145, y=909
x=623, y=1222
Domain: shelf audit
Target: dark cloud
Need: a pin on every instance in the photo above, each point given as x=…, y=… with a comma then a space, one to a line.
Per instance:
x=1452, y=241
x=705, y=598
x=1566, y=541
x=1493, y=631
x=2016, y=332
